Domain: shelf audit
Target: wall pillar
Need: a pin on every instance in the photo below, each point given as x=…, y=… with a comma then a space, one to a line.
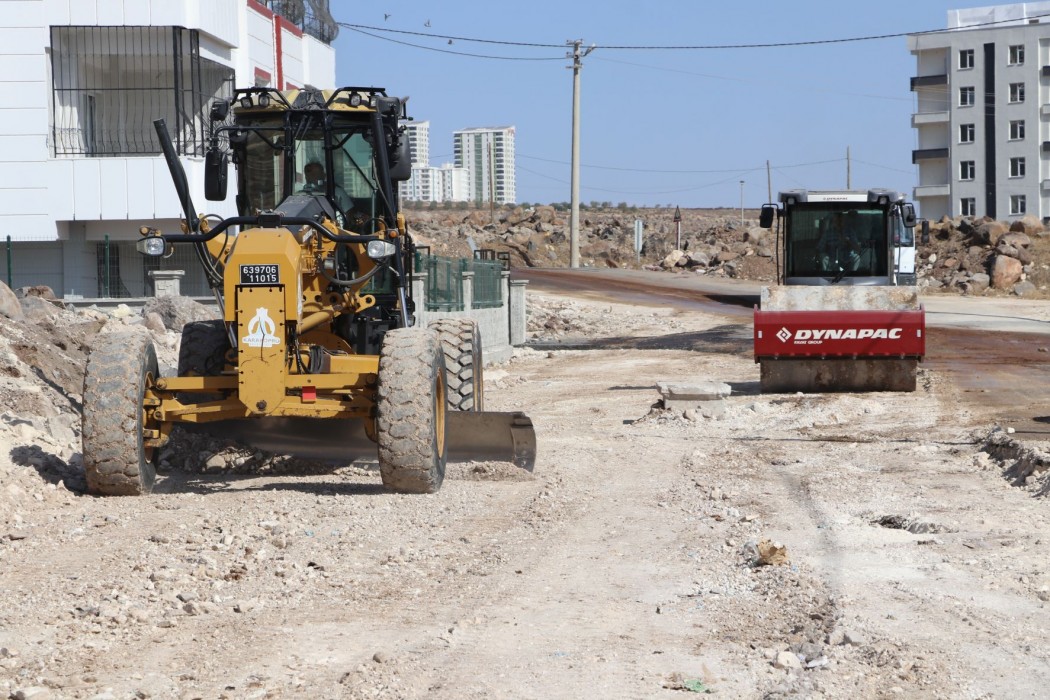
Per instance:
x=419, y=297
x=516, y=311
x=468, y=290
x=167, y=283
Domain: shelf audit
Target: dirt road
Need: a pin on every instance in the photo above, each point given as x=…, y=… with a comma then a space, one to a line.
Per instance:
x=624, y=567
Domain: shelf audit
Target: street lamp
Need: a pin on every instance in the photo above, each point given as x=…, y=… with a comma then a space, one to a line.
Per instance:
x=741, y=204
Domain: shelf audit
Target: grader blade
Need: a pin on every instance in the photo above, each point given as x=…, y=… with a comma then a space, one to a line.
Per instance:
x=481, y=436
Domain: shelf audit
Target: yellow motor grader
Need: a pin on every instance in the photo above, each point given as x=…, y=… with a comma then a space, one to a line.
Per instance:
x=317, y=345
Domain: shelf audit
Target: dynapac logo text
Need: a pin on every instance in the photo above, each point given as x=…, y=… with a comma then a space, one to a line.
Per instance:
x=812, y=336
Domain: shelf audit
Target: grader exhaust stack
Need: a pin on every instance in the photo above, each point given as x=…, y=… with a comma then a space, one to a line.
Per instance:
x=841, y=317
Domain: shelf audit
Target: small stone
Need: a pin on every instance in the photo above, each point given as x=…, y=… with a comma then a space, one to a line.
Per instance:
x=33, y=693
x=836, y=637
x=788, y=661
x=380, y=657
x=853, y=638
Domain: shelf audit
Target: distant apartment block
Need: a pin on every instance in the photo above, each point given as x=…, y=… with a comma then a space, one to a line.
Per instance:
x=982, y=117
x=483, y=168
x=83, y=81
x=418, y=135
x=487, y=156
x=443, y=184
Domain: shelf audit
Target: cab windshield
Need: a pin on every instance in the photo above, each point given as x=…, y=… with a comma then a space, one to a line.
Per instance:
x=270, y=176
x=836, y=240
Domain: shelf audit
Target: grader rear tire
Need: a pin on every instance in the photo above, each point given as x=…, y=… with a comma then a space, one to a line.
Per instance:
x=464, y=364
x=202, y=353
x=119, y=373
x=411, y=408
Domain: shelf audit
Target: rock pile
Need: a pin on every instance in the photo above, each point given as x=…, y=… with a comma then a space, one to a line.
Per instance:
x=974, y=256
x=539, y=237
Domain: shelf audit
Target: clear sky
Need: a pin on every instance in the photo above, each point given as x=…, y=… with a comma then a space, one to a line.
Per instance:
x=659, y=127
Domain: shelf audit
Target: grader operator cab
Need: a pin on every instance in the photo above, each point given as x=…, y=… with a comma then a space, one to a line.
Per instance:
x=844, y=315
x=317, y=346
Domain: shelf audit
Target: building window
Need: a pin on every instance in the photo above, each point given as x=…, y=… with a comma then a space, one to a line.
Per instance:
x=1017, y=167
x=1017, y=55
x=1017, y=130
x=966, y=133
x=1018, y=204
x=966, y=59
x=966, y=97
x=968, y=206
x=967, y=170
x=1016, y=93
x=110, y=83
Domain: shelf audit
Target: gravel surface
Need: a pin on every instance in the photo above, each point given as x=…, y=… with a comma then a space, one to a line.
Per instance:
x=836, y=546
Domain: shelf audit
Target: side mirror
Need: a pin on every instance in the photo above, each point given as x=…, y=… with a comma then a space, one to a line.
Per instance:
x=925, y=232
x=908, y=215
x=216, y=167
x=401, y=162
x=765, y=217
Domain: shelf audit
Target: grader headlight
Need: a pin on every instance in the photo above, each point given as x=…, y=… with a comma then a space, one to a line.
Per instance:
x=153, y=246
x=380, y=250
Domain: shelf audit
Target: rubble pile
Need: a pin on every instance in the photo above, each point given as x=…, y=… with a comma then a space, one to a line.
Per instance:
x=713, y=241
x=985, y=256
x=964, y=255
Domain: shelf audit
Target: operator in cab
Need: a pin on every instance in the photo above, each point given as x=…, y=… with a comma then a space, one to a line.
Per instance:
x=838, y=247
x=316, y=183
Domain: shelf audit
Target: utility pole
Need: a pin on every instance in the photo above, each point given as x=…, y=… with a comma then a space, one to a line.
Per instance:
x=741, y=204
x=677, y=228
x=574, y=218
x=847, y=168
x=769, y=182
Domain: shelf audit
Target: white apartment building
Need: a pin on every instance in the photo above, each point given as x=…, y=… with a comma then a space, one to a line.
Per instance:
x=487, y=155
x=982, y=117
x=429, y=184
x=80, y=164
x=418, y=135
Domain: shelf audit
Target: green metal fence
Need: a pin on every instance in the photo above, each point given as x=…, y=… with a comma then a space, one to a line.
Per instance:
x=488, y=283
x=445, y=282
x=95, y=269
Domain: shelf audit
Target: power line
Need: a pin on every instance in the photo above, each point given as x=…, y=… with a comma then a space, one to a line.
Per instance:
x=695, y=47
x=455, y=53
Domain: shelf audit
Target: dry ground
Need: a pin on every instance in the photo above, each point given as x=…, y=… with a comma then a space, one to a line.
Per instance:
x=625, y=566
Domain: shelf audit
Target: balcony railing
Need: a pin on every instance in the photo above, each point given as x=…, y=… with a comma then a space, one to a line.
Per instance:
x=932, y=191
x=939, y=117
x=313, y=17
x=928, y=80
x=928, y=154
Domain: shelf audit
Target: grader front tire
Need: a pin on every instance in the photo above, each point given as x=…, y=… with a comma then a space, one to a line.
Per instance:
x=464, y=365
x=411, y=411
x=119, y=375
